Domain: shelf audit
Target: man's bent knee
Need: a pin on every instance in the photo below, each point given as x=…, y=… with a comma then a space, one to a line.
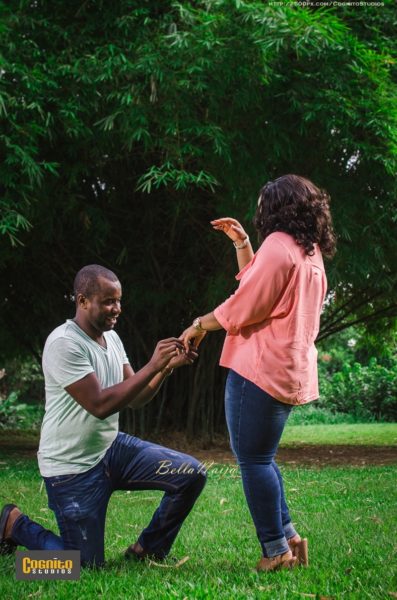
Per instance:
x=199, y=476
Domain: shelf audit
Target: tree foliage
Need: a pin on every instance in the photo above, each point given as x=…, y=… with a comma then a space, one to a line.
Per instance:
x=127, y=126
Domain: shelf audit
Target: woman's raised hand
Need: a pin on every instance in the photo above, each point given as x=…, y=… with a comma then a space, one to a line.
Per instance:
x=231, y=227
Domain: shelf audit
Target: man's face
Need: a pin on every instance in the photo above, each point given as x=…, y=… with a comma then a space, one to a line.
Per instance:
x=103, y=308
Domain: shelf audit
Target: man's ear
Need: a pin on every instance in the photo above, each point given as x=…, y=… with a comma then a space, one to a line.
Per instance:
x=81, y=301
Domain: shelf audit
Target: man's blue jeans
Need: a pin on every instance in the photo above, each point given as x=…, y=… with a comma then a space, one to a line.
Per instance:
x=256, y=421
x=80, y=501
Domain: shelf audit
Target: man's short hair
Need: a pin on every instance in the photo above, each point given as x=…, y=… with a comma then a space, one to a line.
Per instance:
x=86, y=280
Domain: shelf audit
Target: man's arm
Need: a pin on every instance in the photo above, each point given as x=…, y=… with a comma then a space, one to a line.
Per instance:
x=102, y=403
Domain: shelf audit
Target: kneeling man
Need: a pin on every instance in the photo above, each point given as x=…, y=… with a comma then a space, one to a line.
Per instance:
x=82, y=456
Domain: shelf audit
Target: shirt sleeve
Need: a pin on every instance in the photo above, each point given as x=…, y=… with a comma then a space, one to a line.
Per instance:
x=262, y=284
x=66, y=362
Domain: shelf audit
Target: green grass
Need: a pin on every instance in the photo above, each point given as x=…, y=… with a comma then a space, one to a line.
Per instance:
x=348, y=514
x=357, y=434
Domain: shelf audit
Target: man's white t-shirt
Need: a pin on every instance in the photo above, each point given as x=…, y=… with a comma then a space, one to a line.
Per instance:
x=72, y=440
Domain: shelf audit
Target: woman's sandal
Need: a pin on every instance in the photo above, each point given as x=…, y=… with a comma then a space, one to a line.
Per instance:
x=282, y=561
x=299, y=548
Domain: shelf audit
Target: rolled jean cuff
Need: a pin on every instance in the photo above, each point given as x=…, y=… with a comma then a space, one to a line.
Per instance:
x=276, y=547
x=289, y=531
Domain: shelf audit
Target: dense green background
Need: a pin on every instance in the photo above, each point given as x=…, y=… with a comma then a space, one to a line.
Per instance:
x=127, y=126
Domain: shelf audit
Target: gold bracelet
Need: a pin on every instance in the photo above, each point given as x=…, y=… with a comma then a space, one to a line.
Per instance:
x=244, y=244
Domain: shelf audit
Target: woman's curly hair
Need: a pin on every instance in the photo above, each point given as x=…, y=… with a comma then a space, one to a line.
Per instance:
x=294, y=205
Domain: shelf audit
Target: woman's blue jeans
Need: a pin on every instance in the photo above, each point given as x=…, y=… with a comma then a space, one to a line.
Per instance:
x=256, y=421
x=80, y=501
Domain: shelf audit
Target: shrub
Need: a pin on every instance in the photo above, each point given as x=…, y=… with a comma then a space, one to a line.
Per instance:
x=365, y=392
x=24, y=376
x=16, y=415
x=313, y=414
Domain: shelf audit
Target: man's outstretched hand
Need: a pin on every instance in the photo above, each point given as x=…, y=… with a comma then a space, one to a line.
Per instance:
x=184, y=358
x=165, y=351
x=172, y=354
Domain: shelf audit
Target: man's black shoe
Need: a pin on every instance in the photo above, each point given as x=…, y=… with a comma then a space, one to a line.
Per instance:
x=7, y=546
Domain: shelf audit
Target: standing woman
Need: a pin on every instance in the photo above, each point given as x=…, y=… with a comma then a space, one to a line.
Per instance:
x=272, y=321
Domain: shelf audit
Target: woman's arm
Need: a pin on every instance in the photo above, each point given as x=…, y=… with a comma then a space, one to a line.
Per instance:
x=235, y=231
x=254, y=300
x=198, y=330
x=261, y=288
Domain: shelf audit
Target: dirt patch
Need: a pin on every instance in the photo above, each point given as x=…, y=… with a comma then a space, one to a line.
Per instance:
x=316, y=456
x=218, y=451
x=340, y=455
x=311, y=455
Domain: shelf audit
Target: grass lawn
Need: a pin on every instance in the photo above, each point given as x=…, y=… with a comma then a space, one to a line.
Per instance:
x=356, y=434
x=348, y=514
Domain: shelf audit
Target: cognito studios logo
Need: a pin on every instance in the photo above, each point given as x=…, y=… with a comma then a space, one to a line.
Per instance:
x=47, y=564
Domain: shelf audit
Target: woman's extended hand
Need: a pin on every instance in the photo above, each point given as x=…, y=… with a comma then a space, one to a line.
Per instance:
x=183, y=358
x=231, y=227
x=191, y=336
